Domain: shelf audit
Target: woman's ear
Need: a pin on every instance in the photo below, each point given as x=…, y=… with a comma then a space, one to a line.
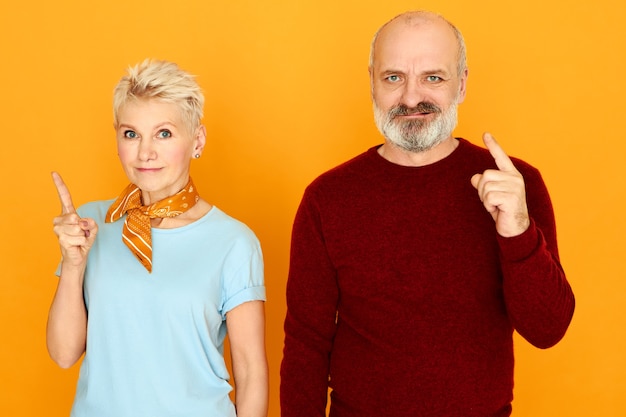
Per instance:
x=199, y=141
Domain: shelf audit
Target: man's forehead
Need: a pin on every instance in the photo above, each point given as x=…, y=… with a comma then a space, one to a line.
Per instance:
x=421, y=49
x=413, y=20
x=427, y=40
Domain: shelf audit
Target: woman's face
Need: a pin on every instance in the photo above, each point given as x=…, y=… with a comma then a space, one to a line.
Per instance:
x=155, y=147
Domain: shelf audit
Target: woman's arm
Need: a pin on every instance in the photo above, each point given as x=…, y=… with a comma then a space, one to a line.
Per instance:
x=66, y=333
x=246, y=332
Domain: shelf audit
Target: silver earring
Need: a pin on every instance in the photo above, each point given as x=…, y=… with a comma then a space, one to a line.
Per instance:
x=197, y=156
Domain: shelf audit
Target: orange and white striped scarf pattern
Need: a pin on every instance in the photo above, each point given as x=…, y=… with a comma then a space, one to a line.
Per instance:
x=137, y=232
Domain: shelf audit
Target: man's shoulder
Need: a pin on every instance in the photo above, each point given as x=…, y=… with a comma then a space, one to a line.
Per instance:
x=344, y=180
x=350, y=169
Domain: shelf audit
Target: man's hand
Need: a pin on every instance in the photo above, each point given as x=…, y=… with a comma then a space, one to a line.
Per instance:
x=503, y=192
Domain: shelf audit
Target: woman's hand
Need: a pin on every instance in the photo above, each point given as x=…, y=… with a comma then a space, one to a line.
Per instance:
x=66, y=334
x=76, y=235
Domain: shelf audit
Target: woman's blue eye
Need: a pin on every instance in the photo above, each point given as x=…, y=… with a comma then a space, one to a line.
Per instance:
x=163, y=134
x=130, y=134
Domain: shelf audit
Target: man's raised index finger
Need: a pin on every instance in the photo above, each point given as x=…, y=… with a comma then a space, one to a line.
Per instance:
x=503, y=161
x=67, y=206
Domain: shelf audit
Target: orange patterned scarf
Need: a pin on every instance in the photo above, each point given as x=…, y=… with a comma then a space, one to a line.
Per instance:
x=136, y=233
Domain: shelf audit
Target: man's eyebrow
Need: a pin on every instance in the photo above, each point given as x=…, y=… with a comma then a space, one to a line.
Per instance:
x=391, y=71
x=438, y=71
x=435, y=71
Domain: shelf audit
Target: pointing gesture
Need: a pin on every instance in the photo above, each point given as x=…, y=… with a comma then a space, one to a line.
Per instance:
x=76, y=235
x=503, y=192
x=67, y=206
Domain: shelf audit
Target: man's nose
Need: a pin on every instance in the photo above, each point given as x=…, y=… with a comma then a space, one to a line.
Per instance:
x=412, y=94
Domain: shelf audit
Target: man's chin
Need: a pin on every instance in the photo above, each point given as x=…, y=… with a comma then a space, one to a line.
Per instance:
x=415, y=146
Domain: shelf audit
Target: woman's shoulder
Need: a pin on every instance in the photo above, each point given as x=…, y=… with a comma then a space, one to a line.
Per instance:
x=233, y=232
x=95, y=209
x=225, y=221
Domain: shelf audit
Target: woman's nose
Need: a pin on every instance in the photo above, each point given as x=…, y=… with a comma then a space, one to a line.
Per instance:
x=146, y=150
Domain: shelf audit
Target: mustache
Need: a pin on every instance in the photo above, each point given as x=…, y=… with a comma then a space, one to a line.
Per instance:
x=422, y=107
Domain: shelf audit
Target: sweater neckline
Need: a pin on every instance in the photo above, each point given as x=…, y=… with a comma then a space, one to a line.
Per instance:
x=443, y=163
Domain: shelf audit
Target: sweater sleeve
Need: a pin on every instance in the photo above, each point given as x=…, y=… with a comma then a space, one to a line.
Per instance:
x=310, y=323
x=539, y=300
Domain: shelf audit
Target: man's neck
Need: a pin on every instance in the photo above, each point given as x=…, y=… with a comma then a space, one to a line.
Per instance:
x=399, y=156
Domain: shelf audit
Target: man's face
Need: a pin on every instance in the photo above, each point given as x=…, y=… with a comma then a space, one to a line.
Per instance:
x=415, y=83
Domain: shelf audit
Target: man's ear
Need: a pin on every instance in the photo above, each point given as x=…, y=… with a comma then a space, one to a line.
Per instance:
x=463, y=86
x=370, y=71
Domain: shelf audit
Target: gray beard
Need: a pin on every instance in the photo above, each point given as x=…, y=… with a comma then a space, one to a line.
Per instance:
x=416, y=135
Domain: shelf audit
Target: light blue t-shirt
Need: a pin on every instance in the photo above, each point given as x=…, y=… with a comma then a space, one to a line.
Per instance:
x=155, y=342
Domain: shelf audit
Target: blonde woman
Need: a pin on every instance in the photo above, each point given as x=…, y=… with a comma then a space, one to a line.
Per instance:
x=151, y=282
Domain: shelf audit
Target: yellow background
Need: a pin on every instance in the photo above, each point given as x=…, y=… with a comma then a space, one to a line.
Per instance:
x=287, y=98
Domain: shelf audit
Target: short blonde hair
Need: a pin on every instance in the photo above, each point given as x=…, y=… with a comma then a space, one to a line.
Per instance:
x=163, y=80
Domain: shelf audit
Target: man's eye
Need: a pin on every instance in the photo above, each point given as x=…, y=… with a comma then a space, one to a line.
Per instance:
x=130, y=134
x=393, y=78
x=164, y=134
x=433, y=78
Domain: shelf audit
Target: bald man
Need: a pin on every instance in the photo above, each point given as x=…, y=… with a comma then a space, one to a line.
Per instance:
x=413, y=263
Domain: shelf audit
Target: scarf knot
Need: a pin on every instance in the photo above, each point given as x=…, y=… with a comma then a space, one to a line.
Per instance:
x=137, y=231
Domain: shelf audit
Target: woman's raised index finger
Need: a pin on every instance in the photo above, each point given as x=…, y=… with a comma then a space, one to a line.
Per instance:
x=67, y=206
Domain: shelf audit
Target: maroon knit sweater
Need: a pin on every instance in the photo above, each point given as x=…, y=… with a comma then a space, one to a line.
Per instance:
x=403, y=299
